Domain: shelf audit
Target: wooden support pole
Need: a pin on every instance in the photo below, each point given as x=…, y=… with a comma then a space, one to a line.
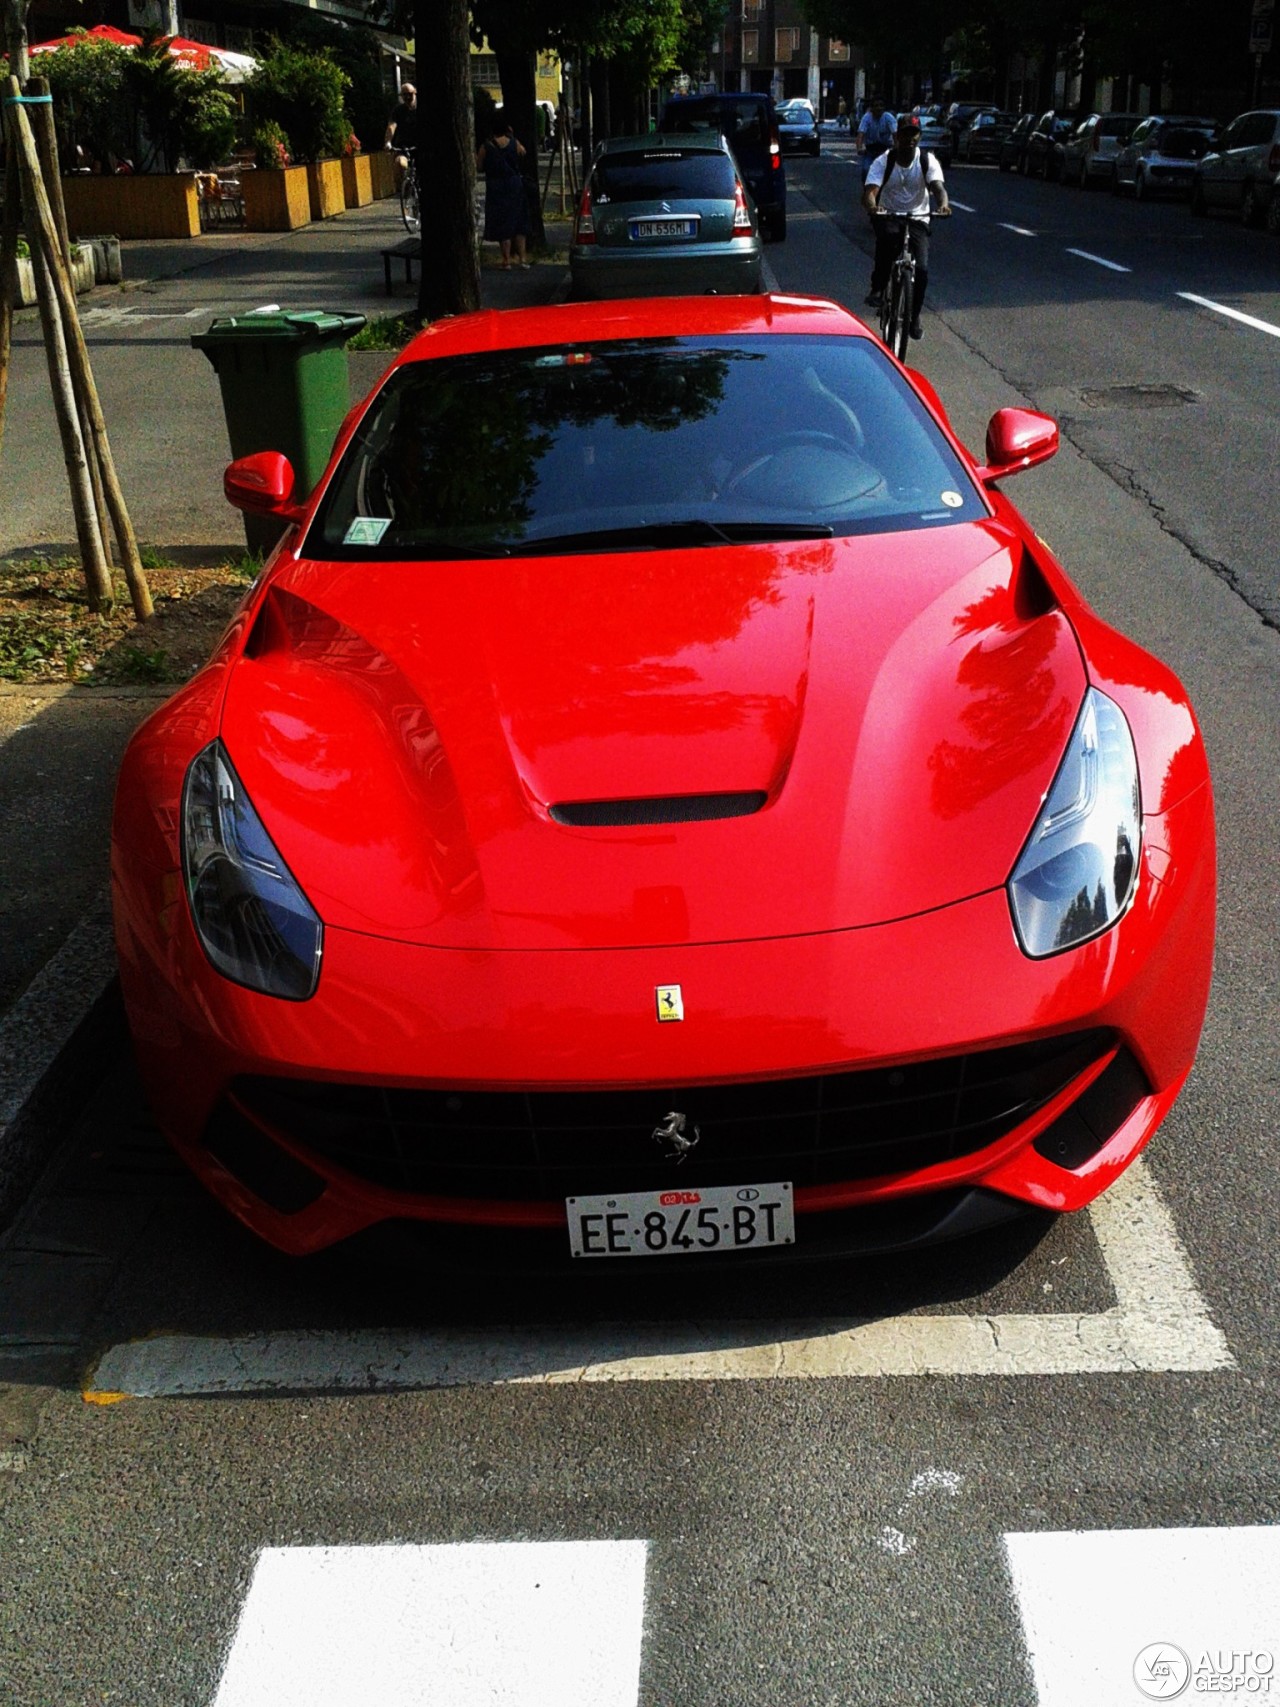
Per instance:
x=75, y=454
x=39, y=218
x=8, y=275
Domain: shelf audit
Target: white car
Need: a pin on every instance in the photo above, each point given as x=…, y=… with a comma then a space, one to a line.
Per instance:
x=1089, y=153
x=1160, y=157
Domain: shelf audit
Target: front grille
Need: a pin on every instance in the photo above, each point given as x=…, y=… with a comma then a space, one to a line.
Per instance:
x=543, y=1145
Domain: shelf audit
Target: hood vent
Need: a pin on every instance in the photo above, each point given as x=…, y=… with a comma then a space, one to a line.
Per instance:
x=657, y=809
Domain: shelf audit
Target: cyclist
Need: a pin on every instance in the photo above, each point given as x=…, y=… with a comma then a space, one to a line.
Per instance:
x=875, y=133
x=904, y=180
x=402, y=129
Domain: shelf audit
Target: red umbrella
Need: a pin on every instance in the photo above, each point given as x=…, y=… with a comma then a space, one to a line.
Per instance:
x=99, y=32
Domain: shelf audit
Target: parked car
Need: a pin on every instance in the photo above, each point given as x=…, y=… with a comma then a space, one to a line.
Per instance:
x=935, y=135
x=962, y=116
x=1160, y=157
x=661, y=800
x=664, y=216
x=1013, y=146
x=1042, y=157
x=983, y=137
x=749, y=124
x=1240, y=173
x=798, y=128
x=1089, y=153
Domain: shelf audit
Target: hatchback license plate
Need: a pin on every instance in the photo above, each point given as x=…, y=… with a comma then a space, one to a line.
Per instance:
x=664, y=228
x=680, y=1223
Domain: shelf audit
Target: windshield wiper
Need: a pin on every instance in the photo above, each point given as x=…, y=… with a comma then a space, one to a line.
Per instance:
x=658, y=536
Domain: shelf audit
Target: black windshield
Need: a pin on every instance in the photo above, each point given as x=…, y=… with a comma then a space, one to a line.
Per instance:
x=716, y=439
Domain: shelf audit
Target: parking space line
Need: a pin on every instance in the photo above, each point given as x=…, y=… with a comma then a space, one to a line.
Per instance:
x=1018, y=230
x=492, y=1623
x=1107, y=1610
x=1159, y=1322
x=1099, y=261
x=1231, y=313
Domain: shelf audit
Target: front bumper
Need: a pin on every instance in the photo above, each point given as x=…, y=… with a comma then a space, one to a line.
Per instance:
x=922, y=989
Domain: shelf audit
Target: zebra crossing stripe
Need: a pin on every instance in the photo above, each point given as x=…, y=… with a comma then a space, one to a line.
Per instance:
x=489, y=1624
x=1134, y=1615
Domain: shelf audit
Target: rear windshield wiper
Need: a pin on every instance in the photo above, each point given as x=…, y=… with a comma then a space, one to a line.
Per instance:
x=657, y=536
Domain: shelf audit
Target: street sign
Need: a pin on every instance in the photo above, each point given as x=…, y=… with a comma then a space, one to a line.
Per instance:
x=1260, y=26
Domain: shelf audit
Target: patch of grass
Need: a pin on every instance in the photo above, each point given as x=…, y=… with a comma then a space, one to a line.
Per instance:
x=34, y=649
x=246, y=568
x=150, y=558
x=135, y=665
x=384, y=332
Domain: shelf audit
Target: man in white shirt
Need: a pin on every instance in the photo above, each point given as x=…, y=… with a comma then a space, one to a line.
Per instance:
x=902, y=181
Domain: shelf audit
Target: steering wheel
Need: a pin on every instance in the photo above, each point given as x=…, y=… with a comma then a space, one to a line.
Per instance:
x=798, y=440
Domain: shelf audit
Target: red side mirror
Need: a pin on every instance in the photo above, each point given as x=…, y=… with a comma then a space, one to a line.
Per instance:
x=1017, y=439
x=262, y=484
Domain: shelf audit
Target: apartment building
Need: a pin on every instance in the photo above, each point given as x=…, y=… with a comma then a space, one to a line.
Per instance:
x=768, y=45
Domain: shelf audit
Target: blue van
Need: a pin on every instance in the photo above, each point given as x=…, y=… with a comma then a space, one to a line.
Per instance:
x=749, y=125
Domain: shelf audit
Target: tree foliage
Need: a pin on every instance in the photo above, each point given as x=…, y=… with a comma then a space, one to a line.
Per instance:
x=302, y=90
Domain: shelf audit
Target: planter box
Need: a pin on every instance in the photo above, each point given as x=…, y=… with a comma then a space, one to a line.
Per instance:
x=106, y=259
x=143, y=205
x=82, y=277
x=357, y=180
x=276, y=201
x=324, y=181
x=382, y=170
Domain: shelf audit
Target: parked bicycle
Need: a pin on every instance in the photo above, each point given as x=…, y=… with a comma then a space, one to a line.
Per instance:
x=410, y=206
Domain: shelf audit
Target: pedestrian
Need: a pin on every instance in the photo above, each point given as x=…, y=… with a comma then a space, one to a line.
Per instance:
x=876, y=133
x=402, y=128
x=506, y=209
x=842, y=114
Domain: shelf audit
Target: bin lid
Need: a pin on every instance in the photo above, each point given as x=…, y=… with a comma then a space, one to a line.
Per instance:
x=310, y=323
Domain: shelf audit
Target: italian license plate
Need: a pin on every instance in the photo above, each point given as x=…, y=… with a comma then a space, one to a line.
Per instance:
x=681, y=1223
x=664, y=228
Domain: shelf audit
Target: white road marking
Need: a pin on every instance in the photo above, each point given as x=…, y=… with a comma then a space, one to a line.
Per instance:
x=1018, y=230
x=1099, y=261
x=1231, y=313
x=1159, y=1322
x=128, y=316
x=963, y=206
x=1093, y=1601
x=495, y=1624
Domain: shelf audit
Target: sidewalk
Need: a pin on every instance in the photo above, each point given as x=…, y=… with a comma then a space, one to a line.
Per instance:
x=60, y=747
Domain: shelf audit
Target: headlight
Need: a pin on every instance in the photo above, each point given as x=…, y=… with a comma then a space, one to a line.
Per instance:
x=1077, y=873
x=253, y=921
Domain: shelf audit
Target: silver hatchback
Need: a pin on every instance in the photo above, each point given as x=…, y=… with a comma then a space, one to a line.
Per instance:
x=665, y=216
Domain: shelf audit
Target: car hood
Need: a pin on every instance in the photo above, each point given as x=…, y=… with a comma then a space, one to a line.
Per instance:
x=889, y=709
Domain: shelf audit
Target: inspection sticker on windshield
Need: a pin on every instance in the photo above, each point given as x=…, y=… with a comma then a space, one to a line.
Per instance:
x=366, y=530
x=952, y=500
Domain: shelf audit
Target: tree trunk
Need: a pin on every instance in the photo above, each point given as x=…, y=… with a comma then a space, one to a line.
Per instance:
x=601, y=112
x=449, y=275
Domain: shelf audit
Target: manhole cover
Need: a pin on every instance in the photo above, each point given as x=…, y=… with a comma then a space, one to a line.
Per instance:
x=1138, y=397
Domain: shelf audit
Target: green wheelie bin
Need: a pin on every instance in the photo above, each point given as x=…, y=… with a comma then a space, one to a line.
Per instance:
x=284, y=382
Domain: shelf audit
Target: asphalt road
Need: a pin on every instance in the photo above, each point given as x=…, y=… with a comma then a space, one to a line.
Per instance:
x=960, y=1513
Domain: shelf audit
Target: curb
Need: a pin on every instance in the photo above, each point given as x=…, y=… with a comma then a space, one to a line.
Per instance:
x=54, y=1042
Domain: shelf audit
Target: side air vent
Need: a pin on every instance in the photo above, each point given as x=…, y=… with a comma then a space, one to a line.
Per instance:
x=658, y=809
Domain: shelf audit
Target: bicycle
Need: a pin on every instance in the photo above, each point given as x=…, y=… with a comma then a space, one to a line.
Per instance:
x=898, y=302
x=410, y=206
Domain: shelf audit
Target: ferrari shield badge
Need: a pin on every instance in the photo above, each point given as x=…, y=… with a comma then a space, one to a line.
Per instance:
x=670, y=1002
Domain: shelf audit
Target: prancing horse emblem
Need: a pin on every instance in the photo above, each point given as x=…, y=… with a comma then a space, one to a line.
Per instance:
x=676, y=1131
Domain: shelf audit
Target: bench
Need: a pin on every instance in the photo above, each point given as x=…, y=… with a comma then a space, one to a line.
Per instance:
x=409, y=251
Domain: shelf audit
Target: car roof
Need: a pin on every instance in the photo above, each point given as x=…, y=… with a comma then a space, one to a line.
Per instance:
x=652, y=317
x=657, y=142
x=720, y=95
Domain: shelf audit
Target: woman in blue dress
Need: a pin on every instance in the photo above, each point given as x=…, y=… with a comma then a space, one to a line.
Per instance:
x=506, y=212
